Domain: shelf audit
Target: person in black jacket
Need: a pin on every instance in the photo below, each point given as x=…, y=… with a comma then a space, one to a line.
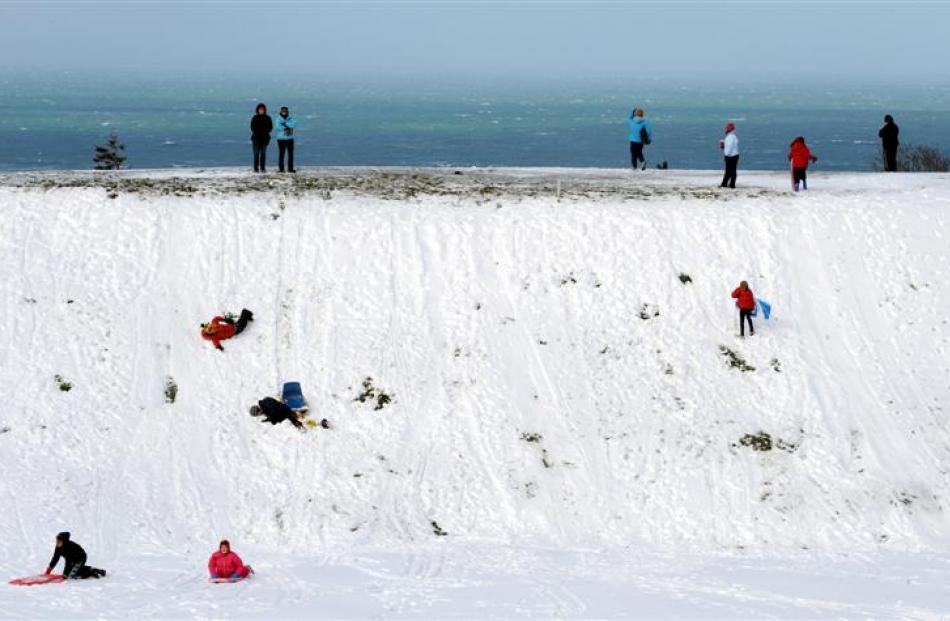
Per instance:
x=261, y=126
x=75, y=559
x=275, y=412
x=889, y=142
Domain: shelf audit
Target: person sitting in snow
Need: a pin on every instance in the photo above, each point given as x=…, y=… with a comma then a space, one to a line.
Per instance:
x=223, y=328
x=746, y=303
x=275, y=412
x=226, y=564
x=800, y=155
x=74, y=557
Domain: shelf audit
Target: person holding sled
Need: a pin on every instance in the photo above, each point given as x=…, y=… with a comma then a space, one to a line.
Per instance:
x=730, y=153
x=641, y=134
x=226, y=564
x=275, y=412
x=800, y=155
x=261, y=126
x=74, y=557
x=745, y=300
x=889, y=142
x=286, y=125
x=223, y=328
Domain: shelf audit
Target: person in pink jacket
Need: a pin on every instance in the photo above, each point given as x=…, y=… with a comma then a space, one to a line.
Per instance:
x=226, y=564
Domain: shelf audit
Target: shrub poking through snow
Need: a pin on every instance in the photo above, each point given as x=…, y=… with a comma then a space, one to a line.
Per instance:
x=649, y=311
x=438, y=529
x=734, y=360
x=171, y=389
x=760, y=441
x=64, y=385
x=531, y=437
x=685, y=278
x=371, y=393
x=111, y=155
x=776, y=365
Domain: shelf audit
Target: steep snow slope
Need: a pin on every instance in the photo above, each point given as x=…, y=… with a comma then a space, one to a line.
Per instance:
x=554, y=382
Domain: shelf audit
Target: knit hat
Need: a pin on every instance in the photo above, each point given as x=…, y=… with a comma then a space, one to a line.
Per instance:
x=63, y=536
x=730, y=127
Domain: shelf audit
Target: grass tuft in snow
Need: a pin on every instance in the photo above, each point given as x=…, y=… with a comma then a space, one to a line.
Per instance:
x=438, y=529
x=649, y=311
x=760, y=441
x=64, y=385
x=685, y=278
x=531, y=437
x=734, y=360
x=372, y=393
x=171, y=389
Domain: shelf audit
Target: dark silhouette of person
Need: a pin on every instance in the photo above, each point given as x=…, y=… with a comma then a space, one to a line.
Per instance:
x=889, y=142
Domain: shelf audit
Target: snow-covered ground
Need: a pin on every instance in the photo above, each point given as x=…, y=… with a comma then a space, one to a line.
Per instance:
x=564, y=436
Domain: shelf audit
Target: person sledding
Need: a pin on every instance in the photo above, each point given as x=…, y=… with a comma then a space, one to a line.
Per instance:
x=74, y=558
x=226, y=565
x=222, y=328
x=800, y=156
x=275, y=412
x=745, y=300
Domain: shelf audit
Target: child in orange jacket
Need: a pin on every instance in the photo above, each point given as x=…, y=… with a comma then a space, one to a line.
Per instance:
x=800, y=155
x=223, y=328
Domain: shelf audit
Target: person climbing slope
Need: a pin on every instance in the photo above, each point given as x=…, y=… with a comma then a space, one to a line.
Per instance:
x=800, y=155
x=74, y=557
x=223, y=328
x=745, y=300
x=226, y=564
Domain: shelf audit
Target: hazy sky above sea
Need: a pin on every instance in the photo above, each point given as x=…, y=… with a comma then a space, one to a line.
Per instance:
x=725, y=41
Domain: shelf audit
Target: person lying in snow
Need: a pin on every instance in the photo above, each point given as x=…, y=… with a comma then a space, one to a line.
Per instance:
x=275, y=412
x=226, y=564
x=75, y=560
x=223, y=328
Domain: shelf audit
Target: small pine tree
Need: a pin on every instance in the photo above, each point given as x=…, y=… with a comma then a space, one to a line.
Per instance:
x=111, y=155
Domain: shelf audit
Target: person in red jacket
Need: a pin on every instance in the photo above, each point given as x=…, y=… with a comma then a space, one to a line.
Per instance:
x=746, y=303
x=800, y=155
x=223, y=328
x=226, y=564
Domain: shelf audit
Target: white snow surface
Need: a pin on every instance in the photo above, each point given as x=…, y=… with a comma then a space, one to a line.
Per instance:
x=561, y=409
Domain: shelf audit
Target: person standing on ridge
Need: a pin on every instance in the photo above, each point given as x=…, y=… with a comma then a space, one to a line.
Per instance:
x=800, y=155
x=261, y=126
x=889, y=142
x=641, y=134
x=74, y=557
x=745, y=300
x=730, y=152
x=285, y=139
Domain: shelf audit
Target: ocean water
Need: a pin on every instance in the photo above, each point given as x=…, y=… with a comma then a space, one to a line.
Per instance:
x=53, y=121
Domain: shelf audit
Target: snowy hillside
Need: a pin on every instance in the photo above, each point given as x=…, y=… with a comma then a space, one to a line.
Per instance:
x=553, y=344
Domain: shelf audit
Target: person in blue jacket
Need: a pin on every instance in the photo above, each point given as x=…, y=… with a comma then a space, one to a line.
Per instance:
x=641, y=134
x=286, y=125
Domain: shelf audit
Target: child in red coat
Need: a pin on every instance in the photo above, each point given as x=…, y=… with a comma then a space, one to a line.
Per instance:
x=745, y=300
x=800, y=155
x=223, y=328
x=226, y=564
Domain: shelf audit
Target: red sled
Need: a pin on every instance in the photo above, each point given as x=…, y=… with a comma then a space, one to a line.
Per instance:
x=40, y=579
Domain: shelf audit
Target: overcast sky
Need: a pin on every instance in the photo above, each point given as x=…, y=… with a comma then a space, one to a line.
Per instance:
x=721, y=40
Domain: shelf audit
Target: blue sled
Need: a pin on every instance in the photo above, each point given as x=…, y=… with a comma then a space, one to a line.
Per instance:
x=765, y=306
x=292, y=395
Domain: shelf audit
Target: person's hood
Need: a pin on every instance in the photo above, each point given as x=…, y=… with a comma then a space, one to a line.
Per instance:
x=63, y=536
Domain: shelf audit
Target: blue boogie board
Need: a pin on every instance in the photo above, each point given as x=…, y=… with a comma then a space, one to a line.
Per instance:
x=292, y=396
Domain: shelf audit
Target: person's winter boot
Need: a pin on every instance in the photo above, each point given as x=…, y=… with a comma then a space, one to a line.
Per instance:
x=644, y=167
